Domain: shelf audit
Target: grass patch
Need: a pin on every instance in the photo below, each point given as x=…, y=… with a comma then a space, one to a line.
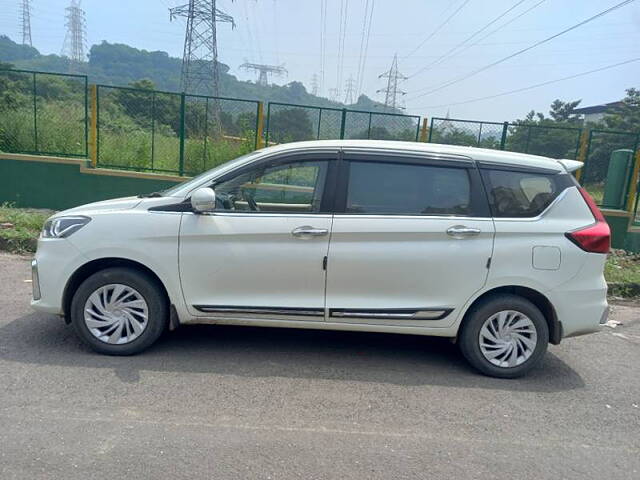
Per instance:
x=622, y=272
x=20, y=227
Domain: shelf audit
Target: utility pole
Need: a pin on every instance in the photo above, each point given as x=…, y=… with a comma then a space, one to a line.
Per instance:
x=264, y=71
x=25, y=15
x=392, y=92
x=350, y=91
x=75, y=40
x=314, y=84
x=200, y=72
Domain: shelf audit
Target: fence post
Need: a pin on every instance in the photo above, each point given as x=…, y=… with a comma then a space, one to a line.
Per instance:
x=634, y=185
x=503, y=138
x=585, y=140
x=260, y=126
x=425, y=130
x=35, y=116
x=182, y=122
x=344, y=120
x=266, y=135
x=431, y=130
x=369, y=127
x=93, y=129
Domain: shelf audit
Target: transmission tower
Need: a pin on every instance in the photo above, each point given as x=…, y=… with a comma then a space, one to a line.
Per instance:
x=264, y=71
x=75, y=41
x=25, y=14
x=334, y=93
x=392, y=92
x=200, y=72
x=315, y=84
x=350, y=89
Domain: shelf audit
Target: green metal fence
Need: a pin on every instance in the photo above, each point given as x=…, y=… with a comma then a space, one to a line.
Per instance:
x=43, y=113
x=167, y=132
x=601, y=144
x=547, y=140
x=287, y=122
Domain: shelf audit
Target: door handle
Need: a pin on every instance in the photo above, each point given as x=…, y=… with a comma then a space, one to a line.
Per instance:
x=307, y=231
x=460, y=231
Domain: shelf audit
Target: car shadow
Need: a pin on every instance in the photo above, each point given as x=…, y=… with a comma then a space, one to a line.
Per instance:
x=278, y=352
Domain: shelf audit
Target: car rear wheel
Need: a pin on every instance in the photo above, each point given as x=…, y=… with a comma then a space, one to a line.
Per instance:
x=504, y=336
x=119, y=311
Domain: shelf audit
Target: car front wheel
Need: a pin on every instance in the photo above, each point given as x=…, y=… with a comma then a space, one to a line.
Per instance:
x=119, y=311
x=504, y=336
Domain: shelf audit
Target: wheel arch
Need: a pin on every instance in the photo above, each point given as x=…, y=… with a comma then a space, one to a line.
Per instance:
x=534, y=296
x=93, y=266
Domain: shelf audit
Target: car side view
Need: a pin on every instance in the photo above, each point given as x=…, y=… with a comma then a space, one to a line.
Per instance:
x=503, y=252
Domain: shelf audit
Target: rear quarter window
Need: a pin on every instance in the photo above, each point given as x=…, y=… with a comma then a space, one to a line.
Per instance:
x=522, y=194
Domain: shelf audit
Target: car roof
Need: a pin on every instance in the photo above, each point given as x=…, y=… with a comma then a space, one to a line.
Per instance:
x=398, y=147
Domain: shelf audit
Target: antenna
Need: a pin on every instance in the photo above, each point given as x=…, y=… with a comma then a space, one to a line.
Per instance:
x=75, y=40
x=25, y=15
x=392, y=92
x=264, y=71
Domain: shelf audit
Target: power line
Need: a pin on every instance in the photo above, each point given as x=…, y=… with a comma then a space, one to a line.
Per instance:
x=438, y=28
x=444, y=56
x=499, y=28
x=537, y=85
x=520, y=52
x=363, y=54
x=323, y=41
x=344, y=7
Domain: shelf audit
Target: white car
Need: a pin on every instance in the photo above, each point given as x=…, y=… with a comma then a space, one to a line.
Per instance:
x=503, y=252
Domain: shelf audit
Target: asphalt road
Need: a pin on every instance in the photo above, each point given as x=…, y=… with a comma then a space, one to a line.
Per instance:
x=235, y=402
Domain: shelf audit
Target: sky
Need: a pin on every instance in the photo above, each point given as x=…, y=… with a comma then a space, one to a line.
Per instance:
x=289, y=32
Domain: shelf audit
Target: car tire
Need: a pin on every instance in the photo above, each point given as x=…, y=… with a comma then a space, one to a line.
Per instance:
x=119, y=298
x=504, y=336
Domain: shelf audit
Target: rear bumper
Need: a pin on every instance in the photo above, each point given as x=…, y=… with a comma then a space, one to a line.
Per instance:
x=581, y=311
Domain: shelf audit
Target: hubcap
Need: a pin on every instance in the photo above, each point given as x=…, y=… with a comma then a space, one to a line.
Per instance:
x=116, y=314
x=508, y=338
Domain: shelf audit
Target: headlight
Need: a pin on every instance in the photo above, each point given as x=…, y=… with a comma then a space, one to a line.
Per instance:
x=61, y=227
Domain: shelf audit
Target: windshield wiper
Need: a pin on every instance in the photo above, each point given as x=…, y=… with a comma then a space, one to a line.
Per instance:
x=150, y=195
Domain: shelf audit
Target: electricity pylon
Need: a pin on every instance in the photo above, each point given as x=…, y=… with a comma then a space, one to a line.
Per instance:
x=75, y=40
x=391, y=92
x=25, y=15
x=264, y=71
x=350, y=91
x=200, y=73
x=315, y=84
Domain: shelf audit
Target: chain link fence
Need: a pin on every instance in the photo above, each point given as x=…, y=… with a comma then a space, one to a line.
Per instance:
x=43, y=113
x=291, y=123
x=601, y=146
x=165, y=132
x=546, y=140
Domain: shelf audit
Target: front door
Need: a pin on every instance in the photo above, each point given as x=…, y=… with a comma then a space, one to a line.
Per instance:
x=261, y=254
x=412, y=242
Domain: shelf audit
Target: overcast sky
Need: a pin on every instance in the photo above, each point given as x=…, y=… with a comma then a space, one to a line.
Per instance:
x=289, y=32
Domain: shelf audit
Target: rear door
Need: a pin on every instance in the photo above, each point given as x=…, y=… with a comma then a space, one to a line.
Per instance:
x=411, y=240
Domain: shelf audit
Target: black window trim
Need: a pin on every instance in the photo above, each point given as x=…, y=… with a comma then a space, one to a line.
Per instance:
x=479, y=200
x=566, y=180
x=328, y=192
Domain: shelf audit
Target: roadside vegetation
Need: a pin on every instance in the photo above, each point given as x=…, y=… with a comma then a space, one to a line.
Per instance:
x=20, y=227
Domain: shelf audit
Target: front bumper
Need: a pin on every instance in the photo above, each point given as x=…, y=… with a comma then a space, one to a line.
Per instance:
x=55, y=261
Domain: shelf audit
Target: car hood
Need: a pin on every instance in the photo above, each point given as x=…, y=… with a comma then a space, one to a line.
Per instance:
x=116, y=204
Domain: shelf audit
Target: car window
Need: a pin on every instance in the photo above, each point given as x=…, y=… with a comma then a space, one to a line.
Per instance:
x=395, y=188
x=521, y=194
x=294, y=187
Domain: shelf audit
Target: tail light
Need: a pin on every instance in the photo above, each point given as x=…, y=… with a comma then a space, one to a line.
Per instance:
x=595, y=238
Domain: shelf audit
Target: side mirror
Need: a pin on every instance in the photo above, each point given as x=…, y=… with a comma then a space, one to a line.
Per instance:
x=203, y=200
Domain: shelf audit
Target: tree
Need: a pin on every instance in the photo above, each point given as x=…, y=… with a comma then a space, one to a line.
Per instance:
x=626, y=117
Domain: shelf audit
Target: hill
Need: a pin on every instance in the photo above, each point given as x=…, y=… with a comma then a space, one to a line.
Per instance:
x=119, y=64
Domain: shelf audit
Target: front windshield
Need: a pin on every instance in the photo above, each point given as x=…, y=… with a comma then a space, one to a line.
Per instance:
x=186, y=186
